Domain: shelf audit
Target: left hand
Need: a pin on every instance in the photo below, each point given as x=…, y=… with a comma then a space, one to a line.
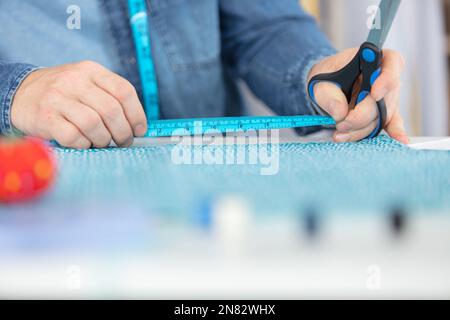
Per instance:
x=356, y=123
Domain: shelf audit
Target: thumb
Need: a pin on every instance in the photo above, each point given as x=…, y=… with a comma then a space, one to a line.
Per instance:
x=331, y=99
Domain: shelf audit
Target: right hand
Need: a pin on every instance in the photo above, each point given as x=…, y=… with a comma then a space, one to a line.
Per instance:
x=79, y=105
x=357, y=122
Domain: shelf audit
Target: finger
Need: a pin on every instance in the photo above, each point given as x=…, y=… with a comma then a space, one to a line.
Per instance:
x=126, y=94
x=356, y=135
x=359, y=118
x=331, y=99
x=68, y=135
x=389, y=79
x=396, y=129
x=88, y=122
x=392, y=100
x=111, y=113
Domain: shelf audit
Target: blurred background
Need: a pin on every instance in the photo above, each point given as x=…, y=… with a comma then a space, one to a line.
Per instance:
x=421, y=34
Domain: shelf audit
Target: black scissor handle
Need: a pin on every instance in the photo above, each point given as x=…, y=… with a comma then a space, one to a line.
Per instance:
x=367, y=64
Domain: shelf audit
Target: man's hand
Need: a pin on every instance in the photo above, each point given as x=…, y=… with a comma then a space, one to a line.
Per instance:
x=80, y=106
x=356, y=123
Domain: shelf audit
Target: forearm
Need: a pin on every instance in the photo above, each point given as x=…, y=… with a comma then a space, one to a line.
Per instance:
x=272, y=46
x=11, y=76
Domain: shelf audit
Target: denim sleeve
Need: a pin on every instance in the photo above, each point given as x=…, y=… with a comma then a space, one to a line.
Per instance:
x=11, y=76
x=272, y=45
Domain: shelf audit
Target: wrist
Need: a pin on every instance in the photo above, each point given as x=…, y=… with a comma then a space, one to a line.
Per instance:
x=19, y=103
x=12, y=75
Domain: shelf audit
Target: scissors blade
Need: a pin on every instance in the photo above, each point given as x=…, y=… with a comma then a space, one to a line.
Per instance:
x=387, y=11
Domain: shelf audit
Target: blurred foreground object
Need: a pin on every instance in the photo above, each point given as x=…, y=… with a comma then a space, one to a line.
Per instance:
x=27, y=169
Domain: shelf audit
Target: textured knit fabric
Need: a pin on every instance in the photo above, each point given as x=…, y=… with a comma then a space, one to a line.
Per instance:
x=373, y=174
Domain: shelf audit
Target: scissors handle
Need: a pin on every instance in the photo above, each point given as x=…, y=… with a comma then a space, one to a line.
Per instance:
x=367, y=64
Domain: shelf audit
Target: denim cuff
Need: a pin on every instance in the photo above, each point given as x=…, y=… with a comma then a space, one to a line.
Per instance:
x=10, y=82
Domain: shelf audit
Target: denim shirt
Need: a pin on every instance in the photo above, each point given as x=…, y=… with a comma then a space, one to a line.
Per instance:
x=200, y=49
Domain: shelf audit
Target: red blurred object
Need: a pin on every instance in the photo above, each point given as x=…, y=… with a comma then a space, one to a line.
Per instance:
x=27, y=169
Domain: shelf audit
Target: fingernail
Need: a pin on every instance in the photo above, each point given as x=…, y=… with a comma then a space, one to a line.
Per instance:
x=140, y=130
x=342, y=137
x=127, y=143
x=344, y=126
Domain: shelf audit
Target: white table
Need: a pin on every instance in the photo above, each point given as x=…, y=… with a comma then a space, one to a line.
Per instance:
x=430, y=143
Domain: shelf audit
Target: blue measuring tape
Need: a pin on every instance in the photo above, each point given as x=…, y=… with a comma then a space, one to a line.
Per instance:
x=163, y=128
x=140, y=27
x=183, y=127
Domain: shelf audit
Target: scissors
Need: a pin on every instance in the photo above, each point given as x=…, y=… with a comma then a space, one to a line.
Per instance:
x=366, y=64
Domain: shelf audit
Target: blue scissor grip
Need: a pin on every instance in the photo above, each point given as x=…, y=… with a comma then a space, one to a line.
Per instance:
x=311, y=90
x=370, y=65
x=366, y=65
x=369, y=55
x=375, y=76
x=362, y=95
x=381, y=113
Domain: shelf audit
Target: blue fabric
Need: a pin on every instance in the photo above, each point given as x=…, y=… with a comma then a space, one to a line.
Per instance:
x=200, y=48
x=369, y=175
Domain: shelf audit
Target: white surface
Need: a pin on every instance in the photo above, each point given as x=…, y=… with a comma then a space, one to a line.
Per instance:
x=424, y=143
